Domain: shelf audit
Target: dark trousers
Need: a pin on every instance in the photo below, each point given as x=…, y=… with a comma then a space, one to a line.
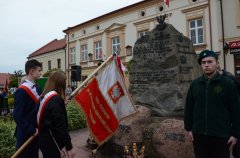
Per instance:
x=48, y=147
x=31, y=151
x=210, y=147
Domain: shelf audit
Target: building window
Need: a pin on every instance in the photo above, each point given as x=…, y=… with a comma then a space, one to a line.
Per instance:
x=161, y=8
x=90, y=57
x=128, y=50
x=59, y=63
x=49, y=65
x=97, y=27
x=98, y=50
x=84, y=52
x=116, y=45
x=142, y=13
x=72, y=55
x=193, y=1
x=196, y=31
x=142, y=33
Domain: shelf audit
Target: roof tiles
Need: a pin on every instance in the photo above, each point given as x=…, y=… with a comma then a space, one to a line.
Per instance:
x=51, y=46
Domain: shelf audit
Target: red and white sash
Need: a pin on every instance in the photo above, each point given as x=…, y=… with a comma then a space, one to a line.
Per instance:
x=31, y=90
x=43, y=103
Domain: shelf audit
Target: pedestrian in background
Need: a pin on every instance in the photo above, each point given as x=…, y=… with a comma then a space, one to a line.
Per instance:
x=68, y=91
x=236, y=148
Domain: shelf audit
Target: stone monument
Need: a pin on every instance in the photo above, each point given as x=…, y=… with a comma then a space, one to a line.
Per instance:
x=163, y=65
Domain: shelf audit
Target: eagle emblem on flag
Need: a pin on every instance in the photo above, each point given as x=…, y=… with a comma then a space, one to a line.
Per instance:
x=115, y=92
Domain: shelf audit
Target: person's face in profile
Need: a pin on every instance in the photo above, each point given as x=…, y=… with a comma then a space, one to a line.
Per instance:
x=36, y=73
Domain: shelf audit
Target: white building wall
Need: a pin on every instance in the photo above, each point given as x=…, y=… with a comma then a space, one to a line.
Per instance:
x=231, y=31
x=53, y=56
x=104, y=48
x=77, y=52
x=230, y=22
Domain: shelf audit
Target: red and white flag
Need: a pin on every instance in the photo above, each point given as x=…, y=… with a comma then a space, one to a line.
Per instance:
x=6, y=87
x=167, y=2
x=105, y=101
x=100, y=54
x=120, y=64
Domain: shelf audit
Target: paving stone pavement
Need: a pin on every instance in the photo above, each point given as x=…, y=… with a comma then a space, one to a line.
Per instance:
x=79, y=138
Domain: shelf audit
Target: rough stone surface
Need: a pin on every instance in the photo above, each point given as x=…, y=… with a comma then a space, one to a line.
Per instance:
x=164, y=64
x=130, y=129
x=162, y=137
x=171, y=140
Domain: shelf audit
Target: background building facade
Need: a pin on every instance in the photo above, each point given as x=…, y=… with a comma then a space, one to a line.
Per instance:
x=52, y=55
x=210, y=24
x=94, y=40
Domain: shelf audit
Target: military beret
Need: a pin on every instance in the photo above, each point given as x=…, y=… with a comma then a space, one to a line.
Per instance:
x=207, y=53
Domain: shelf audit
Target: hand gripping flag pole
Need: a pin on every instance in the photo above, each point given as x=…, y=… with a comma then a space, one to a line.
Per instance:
x=23, y=146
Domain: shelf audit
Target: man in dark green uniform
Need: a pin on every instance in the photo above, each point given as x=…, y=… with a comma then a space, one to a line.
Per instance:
x=212, y=111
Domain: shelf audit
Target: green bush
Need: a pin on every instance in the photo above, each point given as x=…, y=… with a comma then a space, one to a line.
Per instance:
x=7, y=140
x=76, y=118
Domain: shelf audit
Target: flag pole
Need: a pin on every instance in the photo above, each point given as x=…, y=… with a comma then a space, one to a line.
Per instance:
x=90, y=77
x=23, y=146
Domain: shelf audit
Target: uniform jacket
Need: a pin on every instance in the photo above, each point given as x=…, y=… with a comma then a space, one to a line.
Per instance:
x=25, y=114
x=54, y=118
x=212, y=107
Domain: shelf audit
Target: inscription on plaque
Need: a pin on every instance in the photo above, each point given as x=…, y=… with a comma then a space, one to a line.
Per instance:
x=155, y=76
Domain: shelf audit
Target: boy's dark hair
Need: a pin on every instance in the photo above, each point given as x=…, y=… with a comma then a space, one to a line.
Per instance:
x=31, y=64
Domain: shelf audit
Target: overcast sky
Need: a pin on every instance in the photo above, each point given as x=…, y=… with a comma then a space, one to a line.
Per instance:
x=27, y=25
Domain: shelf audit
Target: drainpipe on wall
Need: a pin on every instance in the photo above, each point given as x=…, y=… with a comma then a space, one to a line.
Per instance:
x=223, y=38
x=66, y=57
x=210, y=23
x=67, y=65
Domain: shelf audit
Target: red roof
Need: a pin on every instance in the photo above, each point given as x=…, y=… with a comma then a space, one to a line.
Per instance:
x=3, y=77
x=51, y=46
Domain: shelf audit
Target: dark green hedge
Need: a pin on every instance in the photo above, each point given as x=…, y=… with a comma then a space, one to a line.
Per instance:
x=7, y=140
x=76, y=119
